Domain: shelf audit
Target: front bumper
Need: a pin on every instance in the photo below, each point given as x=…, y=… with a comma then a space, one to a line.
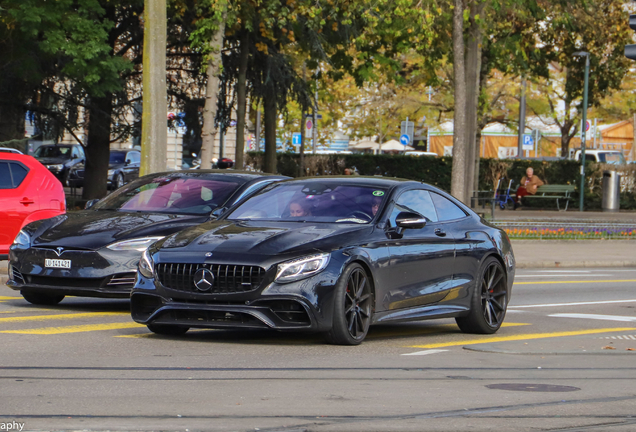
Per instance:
x=101, y=273
x=305, y=305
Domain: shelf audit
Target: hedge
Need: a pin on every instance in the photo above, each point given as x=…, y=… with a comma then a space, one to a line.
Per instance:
x=437, y=171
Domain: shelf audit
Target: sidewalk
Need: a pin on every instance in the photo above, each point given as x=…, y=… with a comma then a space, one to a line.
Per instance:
x=622, y=217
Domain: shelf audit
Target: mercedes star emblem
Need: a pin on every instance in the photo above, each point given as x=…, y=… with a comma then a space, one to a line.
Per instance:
x=203, y=279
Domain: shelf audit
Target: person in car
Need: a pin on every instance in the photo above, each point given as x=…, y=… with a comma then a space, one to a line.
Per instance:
x=299, y=209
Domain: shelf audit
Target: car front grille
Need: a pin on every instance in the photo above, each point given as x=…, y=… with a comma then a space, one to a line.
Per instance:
x=122, y=280
x=16, y=275
x=227, y=278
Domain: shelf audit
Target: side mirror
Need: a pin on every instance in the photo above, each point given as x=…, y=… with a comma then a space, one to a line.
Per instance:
x=409, y=220
x=74, y=156
x=127, y=162
x=217, y=212
x=90, y=203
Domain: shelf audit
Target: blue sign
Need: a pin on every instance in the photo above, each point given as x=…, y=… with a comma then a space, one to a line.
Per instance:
x=528, y=142
x=296, y=138
x=405, y=139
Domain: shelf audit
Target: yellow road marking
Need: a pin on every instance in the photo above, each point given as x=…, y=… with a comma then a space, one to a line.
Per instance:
x=7, y=312
x=9, y=298
x=61, y=316
x=140, y=335
x=522, y=337
x=573, y=282
x=74, y=329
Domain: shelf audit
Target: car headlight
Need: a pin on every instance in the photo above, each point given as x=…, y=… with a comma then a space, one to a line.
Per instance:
x=147, y=265
x=22, y=240
x=301, y=268
x=138, y=244
x=56, y=167
x=110, y=173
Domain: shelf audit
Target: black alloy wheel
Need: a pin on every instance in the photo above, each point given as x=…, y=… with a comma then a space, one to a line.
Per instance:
x=353, y=306
x=489, y=302
x=41, y=298
x=168, y=329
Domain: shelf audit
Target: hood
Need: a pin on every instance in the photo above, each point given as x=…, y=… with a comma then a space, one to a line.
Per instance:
x=91, y=229
x=52, y=160
x=113, y=166
x=263, y=238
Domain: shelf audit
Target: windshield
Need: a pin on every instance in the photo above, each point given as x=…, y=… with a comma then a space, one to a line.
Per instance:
x=193, y=194
x=313, y=200
x=117, y=158
x=53, y=152
x=612, y=158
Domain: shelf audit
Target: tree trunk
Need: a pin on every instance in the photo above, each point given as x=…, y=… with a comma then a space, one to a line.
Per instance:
x=97, y=147
x=241, y=102
x=11, y=120
x=208, y=134
x=473, y=68
x=271, y=118
x=458, y=176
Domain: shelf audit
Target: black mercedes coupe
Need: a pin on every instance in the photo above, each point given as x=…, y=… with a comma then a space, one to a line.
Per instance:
x=331, y=255
x=95, y=252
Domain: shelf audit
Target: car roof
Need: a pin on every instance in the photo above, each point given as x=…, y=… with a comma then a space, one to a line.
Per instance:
x=10, y=150
x=242, y=175
x=367, y=180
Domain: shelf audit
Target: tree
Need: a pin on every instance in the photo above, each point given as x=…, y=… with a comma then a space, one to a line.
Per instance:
x=595, y=26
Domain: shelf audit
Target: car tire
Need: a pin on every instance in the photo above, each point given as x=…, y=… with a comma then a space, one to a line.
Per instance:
x=42, y=299
x=168, y=329
x=489, y=300
x=119, y=180
x=352, y=307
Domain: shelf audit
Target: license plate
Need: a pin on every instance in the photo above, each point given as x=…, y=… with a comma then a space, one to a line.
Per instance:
x=57, y=263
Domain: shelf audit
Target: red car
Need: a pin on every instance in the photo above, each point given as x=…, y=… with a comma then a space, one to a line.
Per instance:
x=28, y=192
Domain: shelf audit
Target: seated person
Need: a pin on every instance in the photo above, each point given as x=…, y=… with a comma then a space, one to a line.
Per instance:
x=375, y=205
x=299, y=208
x=528, y=186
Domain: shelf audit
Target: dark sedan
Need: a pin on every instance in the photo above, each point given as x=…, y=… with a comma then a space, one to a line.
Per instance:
x=332, y=255
x=60, y=159
x=123, y=167
x=95, y=252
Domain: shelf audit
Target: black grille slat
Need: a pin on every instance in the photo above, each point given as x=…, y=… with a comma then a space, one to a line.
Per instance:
x=229, y=278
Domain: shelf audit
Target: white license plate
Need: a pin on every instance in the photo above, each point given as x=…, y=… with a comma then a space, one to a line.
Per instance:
x=57, y=263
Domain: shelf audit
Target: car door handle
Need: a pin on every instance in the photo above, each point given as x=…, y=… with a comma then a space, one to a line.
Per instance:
x=440, y=232
x=27, y=201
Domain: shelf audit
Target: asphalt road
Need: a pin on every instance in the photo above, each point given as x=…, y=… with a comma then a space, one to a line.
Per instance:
x=565, y=360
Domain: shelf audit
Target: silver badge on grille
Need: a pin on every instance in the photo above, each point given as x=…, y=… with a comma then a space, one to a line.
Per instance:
x=203, y=279
x=59, y=251
x=209, y=254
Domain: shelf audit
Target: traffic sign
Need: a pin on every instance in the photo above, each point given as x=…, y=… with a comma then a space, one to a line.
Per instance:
x=407, y=128
x=296, y=138
x=405, y=139
x=318, y=116
x=587, y=125
x=528, y=142
x=309, y=127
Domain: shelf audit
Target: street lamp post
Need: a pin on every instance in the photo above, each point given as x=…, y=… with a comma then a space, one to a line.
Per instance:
x=584, y=123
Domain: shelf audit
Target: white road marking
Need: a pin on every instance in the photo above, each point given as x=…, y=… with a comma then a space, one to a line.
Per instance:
x=431, y=351
x=563, y=271
x=596, y=317
x=572, y=304
x=558, y=275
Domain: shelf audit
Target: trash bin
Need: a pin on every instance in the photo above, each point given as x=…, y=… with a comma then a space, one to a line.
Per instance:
x=611, y=191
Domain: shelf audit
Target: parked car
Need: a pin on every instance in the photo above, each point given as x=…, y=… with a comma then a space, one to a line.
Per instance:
x=94, y=252
x=60, y=159
x=602, y=156
x=28, y=192
x=10, y=150
x=420, y=153
x=332, y=255
x=123, y=167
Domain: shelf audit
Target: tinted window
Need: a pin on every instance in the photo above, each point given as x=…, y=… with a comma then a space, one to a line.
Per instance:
x=117, y=157
x=171, y=194
x=18, y=172
x=312, y=200
x=134, y=157
x=53, y=152
x=446, y=209
x=414, y=201
x=5, y=176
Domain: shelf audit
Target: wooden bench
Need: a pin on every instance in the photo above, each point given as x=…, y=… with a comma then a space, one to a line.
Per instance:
x=555, y=192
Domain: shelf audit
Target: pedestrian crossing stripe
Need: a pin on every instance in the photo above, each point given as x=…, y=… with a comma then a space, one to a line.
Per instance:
x=74, y=329
x=61, y=316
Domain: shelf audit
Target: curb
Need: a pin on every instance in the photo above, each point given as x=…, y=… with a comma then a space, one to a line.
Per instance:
x=571, y=264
